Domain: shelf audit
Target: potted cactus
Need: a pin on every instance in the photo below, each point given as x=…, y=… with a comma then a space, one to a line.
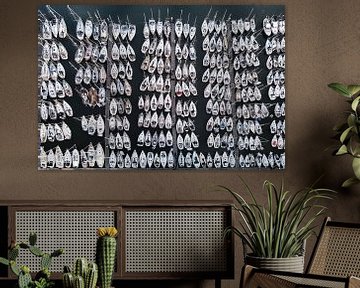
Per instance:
x=106, y=254
x=84, y=275
x=42, y=278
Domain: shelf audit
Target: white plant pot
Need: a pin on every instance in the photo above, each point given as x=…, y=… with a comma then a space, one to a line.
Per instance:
x=291, y=264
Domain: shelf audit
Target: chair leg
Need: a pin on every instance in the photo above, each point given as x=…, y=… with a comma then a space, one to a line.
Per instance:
x=217, y=282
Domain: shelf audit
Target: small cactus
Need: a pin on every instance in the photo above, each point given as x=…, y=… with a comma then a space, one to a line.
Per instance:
x=68, y=280
x=83, y=274
x=79, y=282
x=91, y=276
x=106, y=254
x=81, y=265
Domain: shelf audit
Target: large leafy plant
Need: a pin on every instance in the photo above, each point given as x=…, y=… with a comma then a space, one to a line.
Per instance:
x=279, y=229
x=348, y=132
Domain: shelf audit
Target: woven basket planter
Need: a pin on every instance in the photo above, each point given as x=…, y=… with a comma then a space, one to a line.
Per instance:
x=291, y=264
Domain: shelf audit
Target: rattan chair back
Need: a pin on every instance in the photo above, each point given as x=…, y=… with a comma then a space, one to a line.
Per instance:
x=337, y=252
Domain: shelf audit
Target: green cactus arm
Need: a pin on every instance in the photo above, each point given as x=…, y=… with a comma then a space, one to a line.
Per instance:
x=14, y=268
x=45, y=261
x=80, y=268
x=4, y=261
x=68, y=280
x=57, y=252
x=24, y=280
x=13, y=253
x=24, y=245
x=36, y=251
x=92, y=266
x=67, y=269
x=79, y=282
x=32, y=239
x=91, y=275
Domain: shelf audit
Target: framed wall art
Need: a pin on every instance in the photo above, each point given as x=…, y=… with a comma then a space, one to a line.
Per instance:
x=161, y=87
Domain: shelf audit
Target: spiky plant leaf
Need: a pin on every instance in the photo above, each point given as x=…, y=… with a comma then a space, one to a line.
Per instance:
x=280, y=228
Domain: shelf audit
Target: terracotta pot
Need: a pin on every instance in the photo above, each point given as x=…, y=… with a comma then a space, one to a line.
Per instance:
x=291, y=264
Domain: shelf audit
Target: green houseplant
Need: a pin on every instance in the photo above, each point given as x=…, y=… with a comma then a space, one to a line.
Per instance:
x=348, y=133
x=42, y=278
x=279, y=229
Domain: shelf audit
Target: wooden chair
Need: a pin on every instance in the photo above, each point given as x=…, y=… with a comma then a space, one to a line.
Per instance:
x=335, y=262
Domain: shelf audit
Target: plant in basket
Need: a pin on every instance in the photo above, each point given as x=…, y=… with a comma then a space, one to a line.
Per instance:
x=278, y=230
